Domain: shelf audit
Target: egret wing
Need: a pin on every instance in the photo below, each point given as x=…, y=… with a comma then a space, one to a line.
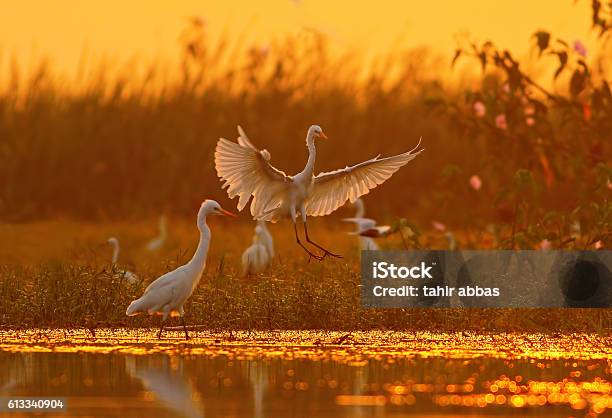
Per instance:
x=362, y=223
x=375, y=232
x=332, y=189
x=246, y=171
x=384, y=229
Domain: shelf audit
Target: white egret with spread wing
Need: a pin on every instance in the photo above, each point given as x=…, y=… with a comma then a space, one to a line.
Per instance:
x=167, y=294
x=132, y=278
x=246, y=171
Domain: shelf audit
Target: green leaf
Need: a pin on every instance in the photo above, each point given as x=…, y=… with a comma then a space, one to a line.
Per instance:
x=562, y=62
x=458, y=53
x=596, y=100
x=483, y=60
x=524, y=180
x=450, y=171
x=605, y=89
x=542, y=39
x=577, y=83
x=585, y=67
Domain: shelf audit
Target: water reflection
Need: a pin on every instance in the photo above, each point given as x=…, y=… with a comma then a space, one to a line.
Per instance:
x=257, y=374
x=164, y=378
x=229, y=385
x=130, y=373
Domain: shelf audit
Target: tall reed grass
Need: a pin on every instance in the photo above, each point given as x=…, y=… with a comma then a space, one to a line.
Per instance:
x=123, y=146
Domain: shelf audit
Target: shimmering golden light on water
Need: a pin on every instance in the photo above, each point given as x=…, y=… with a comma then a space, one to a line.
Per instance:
x=313, y=344
x=419, y=370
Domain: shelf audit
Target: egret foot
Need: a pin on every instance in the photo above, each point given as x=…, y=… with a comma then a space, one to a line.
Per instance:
x=310, y=253
x=161, y=328
x=184, y=328
x=325, y=251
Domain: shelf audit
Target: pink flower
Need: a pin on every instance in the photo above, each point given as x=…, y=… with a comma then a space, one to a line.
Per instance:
x=580, y=48
x=439, y=226
x=500, y=122
x=530, y=121
x=506, y=87
x=475, y=182
x=479, y=109
x=598, y=245
x=544, y=245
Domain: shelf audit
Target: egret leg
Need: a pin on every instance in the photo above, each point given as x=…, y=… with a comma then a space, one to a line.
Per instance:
x=310, y=253
x=327, y=252
x=161, y=328
x=184, y=328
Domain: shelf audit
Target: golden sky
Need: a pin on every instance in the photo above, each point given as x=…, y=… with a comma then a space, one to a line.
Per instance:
x=62, y=30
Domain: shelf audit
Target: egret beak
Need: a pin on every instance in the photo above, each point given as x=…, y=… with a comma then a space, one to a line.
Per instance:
x=227, y=213
x=322, y=135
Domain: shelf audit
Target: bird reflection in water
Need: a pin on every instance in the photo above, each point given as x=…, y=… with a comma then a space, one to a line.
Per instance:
x=165, y=379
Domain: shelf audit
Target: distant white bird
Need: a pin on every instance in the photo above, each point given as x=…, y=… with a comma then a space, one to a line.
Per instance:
x=128, y=275
x=167, y=294
x=247, y=171
x=158, y=242
x=267, y=239
x=366, y=228
x=452, y=242
x=255, y=259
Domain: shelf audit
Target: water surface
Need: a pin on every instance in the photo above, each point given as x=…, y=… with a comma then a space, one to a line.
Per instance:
x=122, y=373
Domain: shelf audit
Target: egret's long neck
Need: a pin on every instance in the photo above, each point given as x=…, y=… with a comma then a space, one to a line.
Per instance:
x=198, y=261
x=115, y=252
x=312, y=155
x=162, y=229
x=360, y=208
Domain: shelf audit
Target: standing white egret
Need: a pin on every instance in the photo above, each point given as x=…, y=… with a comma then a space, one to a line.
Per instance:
x=255, y=259
x=167, y=294
x=158, y=242
x=267, y=239
x=247, y=171
x=132, y=278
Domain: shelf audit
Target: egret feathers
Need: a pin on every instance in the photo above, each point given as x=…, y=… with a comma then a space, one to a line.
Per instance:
x=131, y=278
x=246, y=172
x=167, y=294
x=366, y=228
x=256, y=258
